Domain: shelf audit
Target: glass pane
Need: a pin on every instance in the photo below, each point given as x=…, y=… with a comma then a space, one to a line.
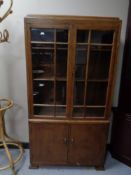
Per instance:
x=105, y=37
x=46, y=35
x=44, y=110
x=96, y=93
x=81, y=59
x=95, y=112
x=78, y=112
x=60, y=92
x=42, y=61
x=79, y=88
x=43, y=92
x=99, y=62
x=61, y=35
x=61, y=61
x=60, y=111
x=82, y=36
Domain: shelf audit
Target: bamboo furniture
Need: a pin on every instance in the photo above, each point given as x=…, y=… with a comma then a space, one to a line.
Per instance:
x=5, y=35
x=71, y=63
x=5, y=140
x=8, y=11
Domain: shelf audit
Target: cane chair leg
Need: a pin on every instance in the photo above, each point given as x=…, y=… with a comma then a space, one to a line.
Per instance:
x=13, y=171
x=12, y=162
x=6, y=140
x=10, y=158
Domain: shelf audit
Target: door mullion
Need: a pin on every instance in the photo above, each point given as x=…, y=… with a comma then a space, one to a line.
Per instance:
x=71, y=69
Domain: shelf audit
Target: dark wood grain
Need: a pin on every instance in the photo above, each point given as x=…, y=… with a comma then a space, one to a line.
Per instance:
x=48, y=144
x=87, y=144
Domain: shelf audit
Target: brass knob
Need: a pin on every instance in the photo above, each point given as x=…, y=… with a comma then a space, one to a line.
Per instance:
x=65, y=141
x=72, y=140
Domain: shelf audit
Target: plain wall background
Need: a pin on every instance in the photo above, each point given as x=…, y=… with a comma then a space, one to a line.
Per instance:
x=12, y=55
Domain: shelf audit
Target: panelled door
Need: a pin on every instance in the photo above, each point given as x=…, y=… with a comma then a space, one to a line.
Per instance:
x=87, y=144
x=48, y=144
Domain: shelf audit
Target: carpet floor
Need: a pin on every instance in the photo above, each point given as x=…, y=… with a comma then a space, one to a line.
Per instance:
x=112, y=167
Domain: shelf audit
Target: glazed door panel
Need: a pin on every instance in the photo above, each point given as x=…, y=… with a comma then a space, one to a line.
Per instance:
x=91, y=77
x=49, y=58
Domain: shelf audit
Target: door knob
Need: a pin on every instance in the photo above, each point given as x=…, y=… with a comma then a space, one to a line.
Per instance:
x=72, y=140
x=65, y=141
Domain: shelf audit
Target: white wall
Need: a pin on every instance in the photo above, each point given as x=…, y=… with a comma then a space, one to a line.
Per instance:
x=12, y=54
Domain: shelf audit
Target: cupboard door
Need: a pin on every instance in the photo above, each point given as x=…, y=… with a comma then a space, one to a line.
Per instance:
x=49, y=58
x=48, y=144
x=87, y=144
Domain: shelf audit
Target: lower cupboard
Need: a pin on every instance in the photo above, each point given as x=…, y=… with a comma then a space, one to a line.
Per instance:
x=68, y=144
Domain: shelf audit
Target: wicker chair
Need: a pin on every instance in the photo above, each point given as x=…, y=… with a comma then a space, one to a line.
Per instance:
x=5, y=140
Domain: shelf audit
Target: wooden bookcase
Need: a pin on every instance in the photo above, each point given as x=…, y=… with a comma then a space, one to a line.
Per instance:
x=71, y=63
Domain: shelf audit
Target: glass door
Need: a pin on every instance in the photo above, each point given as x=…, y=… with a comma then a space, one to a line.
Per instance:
x=49, y=71
x=92, y=65
x=81, y=60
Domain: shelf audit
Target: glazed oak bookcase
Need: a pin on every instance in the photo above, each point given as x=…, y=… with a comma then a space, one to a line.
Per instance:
x=71, y=64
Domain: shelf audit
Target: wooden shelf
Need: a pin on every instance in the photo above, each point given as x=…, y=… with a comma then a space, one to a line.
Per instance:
x=100, y=44
x=48, y=48
x=44, y=42
x=50, y=79
x=61, y=79
x=44, y=79
x=94, y=44
x=91, y=80
x=61, y=48
x=89, y=106
x=43, y=48
x=99, y=80
x=49, y=105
